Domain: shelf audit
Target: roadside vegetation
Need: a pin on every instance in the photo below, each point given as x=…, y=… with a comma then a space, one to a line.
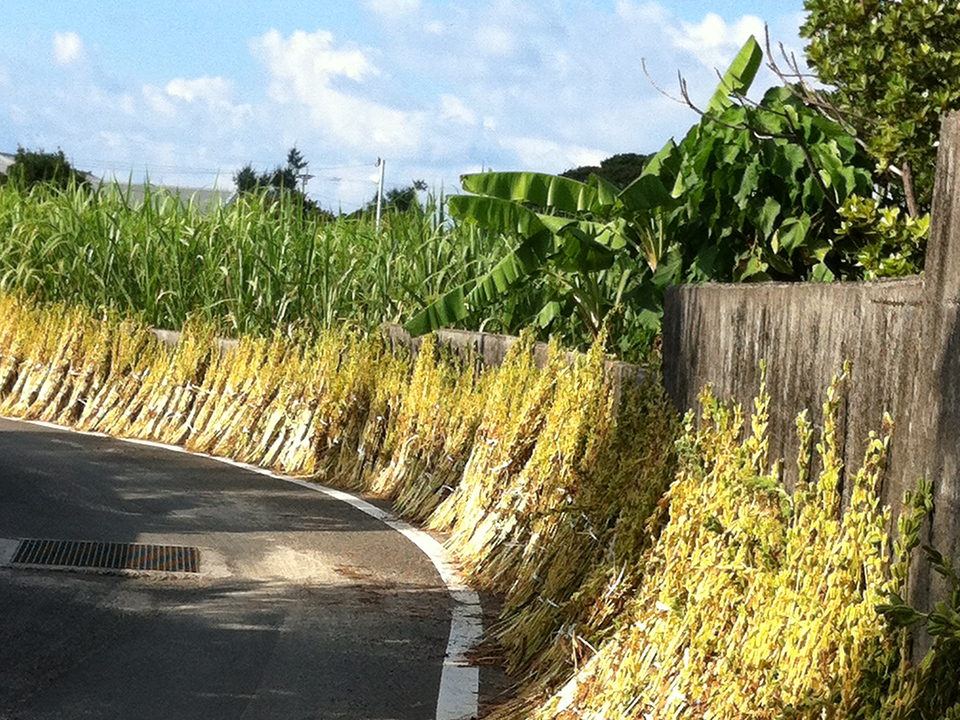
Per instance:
x=649, y=567
x=261, y=262
x=248, y=267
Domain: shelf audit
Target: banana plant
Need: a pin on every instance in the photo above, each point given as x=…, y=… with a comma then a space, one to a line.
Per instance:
x=582, y=238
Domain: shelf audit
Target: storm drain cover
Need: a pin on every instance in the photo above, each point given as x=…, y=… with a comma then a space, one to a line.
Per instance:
x=107, y=555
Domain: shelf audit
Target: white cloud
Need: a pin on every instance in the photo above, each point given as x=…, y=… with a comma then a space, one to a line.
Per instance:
x=67, y=48
x=128, y=105
x=158, y=101
x=213, y=90
x=496, y=41
x=714, y=42
x=452, y=108
x=649, y=12
x=537, y=152
x=446, y=88
x=312, y=57
x=393, y=8
x=304, y=69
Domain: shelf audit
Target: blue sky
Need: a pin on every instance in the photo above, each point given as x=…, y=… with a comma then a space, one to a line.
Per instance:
x=189, y=92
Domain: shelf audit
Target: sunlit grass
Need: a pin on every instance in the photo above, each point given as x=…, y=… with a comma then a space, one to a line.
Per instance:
x=247, y=267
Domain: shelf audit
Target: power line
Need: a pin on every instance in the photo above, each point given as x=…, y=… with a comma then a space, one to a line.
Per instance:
x=190, y=170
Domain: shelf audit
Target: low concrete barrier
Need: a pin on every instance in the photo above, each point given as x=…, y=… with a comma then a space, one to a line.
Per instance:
x=490, y=350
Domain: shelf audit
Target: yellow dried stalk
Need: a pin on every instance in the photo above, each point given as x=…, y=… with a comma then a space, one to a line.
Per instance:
x=532, y=502
x=170, y=382
x=236, y=433
x=132, y=353
x=42, y=349
x=59, y=367
x=542, y=480
x=513, y=414
x=432, y=435
x=574, y=582
x=346, y=413
x=386, y=402
x=89, y=350
x=751, y=605
x=228, y=390
x=441, y=466
x=20, y=321
x=192, y=359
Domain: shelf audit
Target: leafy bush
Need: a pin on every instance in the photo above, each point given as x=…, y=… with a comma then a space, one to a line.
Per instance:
x=30, y=168
x=754, y=191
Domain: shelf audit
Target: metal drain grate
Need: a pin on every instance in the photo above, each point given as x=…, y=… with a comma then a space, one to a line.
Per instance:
x=107, y=555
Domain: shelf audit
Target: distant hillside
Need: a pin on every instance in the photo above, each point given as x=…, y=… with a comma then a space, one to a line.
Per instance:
x=620, y=169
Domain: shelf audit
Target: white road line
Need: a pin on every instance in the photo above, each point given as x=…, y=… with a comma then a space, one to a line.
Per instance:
x=459, y=682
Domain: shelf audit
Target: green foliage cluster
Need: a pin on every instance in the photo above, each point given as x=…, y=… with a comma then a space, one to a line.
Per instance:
x=895, y=67
x=249, y=266
x=754, y=194
x=282, y=177
x=398, y=199
x=289, y=179
x=620, y=169
x=887, y=245
x=774, y=190
x=31, y=167
x=754, y=191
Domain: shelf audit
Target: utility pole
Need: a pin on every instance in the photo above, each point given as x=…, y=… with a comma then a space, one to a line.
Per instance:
x=380, y=164
x=303, y=181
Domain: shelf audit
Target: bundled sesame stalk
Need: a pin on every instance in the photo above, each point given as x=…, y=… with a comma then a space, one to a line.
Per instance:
x=434, y=431
x=724, y=598
x=753, y=603
x=543, y=481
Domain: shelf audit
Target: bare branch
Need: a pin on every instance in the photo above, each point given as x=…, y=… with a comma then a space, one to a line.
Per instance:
x=684, y=91
x=643, y=64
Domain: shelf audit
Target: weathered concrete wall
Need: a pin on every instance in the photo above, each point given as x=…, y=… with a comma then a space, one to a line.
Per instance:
x=901, y=336
x=490, y=349
x=719, y=334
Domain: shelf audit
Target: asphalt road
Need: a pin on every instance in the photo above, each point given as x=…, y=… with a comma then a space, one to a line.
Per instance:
x=306, y=608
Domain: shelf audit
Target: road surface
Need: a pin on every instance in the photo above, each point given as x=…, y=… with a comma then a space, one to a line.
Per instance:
x=305, y=607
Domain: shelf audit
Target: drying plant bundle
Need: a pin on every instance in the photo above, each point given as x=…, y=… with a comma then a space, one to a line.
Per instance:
x=724, y=597
x=753, y=603
x=433, y=434
x=543, y=481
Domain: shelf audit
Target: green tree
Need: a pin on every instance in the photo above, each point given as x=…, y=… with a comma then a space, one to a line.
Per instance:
x=895, y=67
x=281, y=178
x=282, y=181
x=620, y=170
x=399, y=199
x=31, y=167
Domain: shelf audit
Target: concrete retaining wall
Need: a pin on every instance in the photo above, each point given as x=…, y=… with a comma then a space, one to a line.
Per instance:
x=901, y=336
x=490, y=350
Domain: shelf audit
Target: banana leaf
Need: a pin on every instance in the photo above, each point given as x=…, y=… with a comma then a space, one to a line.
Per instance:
x=521, y=264
x=738, y=78
x=495, y=214
x=550, y=192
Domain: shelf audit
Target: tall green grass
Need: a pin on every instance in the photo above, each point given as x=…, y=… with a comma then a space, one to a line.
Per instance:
x=248, y=267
